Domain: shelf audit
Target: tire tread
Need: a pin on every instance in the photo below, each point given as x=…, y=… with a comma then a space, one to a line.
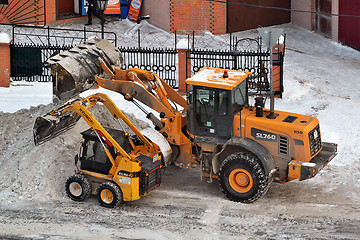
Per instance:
x=85, y=185
x=258, y=171
x=115, y=189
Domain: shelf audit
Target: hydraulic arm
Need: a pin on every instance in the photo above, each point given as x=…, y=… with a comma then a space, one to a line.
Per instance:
x=146, y=87
x=57, y=121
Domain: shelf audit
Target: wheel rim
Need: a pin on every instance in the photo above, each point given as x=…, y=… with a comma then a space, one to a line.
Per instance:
x=107, y=196
x=240, y=180
x=75, y=189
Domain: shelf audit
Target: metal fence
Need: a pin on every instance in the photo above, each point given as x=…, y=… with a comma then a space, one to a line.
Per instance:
x=32, y=46
x=48, y=36
x=28, y=61
x=255, y=60
x=162, y=61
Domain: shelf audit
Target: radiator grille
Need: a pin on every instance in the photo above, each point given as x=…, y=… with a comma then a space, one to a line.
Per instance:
x=283, y=145
x=150, y=179
x=315, y=140
x=153, y=179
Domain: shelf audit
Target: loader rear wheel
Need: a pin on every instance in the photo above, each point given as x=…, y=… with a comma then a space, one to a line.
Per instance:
x=109, y=194
x=242, y=178
x=78, y=187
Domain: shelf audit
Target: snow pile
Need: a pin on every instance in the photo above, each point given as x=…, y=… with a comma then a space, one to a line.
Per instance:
x=183, y=44
x=4, y=38
x=24, y=95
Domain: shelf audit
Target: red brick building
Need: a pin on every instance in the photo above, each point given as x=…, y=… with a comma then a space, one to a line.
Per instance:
x=184, y=16
x=37, y=12
x=218, y=17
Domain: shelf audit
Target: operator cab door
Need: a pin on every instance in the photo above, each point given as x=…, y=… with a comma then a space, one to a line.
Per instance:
x=209, y=112
x=94, y=157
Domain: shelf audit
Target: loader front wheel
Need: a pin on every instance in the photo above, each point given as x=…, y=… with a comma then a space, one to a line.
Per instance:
x=109, y=194
x=242, y=178
x=78, y=187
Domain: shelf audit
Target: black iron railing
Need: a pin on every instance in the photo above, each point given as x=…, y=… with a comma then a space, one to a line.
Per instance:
x=28, y=61
x=47, y=36
x=239, y=54
x=255, y=60
x=163, y=62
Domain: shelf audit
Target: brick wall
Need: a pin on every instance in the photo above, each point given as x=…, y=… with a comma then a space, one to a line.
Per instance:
x=4, y=19
x=197, y=15
x=50, y=11
x=5, y=65
x=26, y=11
x=218, y=18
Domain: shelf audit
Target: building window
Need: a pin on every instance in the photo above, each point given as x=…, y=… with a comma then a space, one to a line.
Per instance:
x=4, y=1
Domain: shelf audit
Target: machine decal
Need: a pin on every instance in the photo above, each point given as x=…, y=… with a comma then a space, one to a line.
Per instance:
x=263, y=135
x=125, y=180
x=86, y=116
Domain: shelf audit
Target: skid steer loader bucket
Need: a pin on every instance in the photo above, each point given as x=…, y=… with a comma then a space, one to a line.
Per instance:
x=73, y=70
x=48, y=126
x=54, y=123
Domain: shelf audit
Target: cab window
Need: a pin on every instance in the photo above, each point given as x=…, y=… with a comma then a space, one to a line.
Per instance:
x=239, y=96
x=204, y=107
x=223, y=103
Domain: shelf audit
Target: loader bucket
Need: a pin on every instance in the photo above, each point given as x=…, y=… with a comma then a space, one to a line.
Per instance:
x=48, y=126
x=73, y=70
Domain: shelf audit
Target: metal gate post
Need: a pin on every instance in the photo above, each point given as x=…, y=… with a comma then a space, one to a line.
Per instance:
x=184, y=68
x=5, y=63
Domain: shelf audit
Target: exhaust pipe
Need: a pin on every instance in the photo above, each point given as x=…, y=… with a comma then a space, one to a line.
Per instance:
x=259, y=104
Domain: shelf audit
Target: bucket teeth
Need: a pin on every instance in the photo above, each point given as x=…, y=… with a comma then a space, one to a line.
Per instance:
x=73, y=71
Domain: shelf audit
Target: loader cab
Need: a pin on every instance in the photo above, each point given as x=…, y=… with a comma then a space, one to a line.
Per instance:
x=213, y=100
x=93, y=157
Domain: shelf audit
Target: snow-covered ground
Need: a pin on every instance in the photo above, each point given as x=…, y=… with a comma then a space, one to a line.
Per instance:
x=22, y=95
x=321, y=78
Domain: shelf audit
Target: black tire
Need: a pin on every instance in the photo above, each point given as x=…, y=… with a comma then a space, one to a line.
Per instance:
x=109, y=194
x=78, y=187
x=242, y=178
